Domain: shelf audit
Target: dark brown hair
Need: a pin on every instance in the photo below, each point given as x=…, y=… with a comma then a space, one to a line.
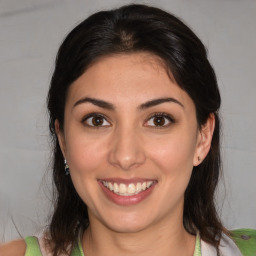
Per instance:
x=130, y=29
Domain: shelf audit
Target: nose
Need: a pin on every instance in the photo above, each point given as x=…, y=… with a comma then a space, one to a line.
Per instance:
x=126, y=151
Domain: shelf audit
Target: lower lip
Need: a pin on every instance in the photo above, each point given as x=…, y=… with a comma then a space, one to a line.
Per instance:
x=127, y=200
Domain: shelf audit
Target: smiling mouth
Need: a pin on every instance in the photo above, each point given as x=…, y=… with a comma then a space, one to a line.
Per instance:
x=130, y=189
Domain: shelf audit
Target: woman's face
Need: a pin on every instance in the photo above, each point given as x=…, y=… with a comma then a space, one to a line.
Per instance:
x=130, y=139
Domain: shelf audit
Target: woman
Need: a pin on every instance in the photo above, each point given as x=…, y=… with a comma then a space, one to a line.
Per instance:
x=133, y=107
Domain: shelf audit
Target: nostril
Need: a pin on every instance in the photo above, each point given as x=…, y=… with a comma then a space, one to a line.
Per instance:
x=126, y=151
x=126, y=162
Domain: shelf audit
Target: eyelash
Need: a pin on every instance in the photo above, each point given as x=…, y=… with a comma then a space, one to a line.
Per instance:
x=91, y=116
x=164, y=115
x=159, y=114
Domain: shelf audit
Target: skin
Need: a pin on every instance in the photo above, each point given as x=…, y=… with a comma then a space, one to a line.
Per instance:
x=13, y=248
x=129, y=145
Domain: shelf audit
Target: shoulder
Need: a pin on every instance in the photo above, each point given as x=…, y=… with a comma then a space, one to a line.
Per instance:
x=13, y=248
x=239, y=242
x=245, y=240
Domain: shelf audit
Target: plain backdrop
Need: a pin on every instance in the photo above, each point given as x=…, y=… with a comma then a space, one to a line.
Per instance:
x=30, y=33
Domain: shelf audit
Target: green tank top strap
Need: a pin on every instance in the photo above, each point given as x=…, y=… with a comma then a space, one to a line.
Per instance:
x=32, y=248
x=245, y=240
x=77, y=249
x=197, y=251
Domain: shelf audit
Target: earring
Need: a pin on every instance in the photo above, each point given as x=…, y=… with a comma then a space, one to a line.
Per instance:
x=199, y=159
x=66, y=167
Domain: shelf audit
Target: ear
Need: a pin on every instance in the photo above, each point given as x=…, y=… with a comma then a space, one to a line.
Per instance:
x=204, y=139
x=61, y=138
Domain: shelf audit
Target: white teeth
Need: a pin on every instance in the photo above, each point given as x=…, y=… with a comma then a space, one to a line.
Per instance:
x=127, y=190
x=149, y=183
x=110, y=186
x=138, y=187
x=131, y=189
x=116, y=189
x=122, y=188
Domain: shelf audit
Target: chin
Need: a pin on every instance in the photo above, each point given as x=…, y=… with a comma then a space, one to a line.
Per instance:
x=128, y=224
x=127, y=228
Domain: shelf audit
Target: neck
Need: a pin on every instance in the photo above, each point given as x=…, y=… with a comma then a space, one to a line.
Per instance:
x=163, y=239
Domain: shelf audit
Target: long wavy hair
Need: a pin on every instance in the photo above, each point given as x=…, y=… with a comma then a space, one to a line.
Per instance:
x=130, y=29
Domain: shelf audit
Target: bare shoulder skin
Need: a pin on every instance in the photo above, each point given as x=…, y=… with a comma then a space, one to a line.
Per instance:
x=13, y=248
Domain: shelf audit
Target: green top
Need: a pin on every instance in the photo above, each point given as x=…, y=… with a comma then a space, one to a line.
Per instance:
x=33, y=248
x=197, y=251
x=245, y=240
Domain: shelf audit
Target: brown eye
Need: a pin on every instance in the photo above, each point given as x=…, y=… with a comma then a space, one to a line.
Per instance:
x=160, y=120
x=96, y=120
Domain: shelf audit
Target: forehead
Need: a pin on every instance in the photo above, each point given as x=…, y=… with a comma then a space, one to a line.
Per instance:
x=127, y=78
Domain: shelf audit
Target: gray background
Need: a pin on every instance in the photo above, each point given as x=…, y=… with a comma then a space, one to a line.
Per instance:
x=30, y=33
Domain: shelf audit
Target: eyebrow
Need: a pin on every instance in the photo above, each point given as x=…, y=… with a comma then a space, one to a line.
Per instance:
x=110, y=106
x=155, y=102
x=96, y=102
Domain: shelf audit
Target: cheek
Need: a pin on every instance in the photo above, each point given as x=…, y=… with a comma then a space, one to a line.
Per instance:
x=172, y=159
x=173, y=155
x=84, y=154
x=86, y=161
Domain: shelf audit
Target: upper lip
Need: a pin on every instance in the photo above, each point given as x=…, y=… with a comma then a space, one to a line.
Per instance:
x=127, y=181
